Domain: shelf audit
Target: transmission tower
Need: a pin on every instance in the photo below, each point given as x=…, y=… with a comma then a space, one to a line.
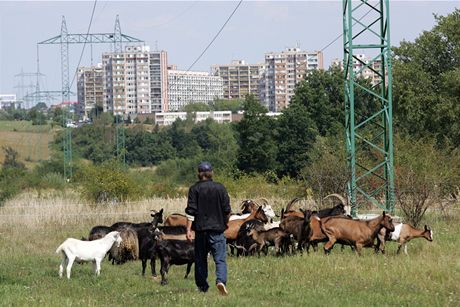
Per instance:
x=371, y=179
x=25, y=91
x=64, y=39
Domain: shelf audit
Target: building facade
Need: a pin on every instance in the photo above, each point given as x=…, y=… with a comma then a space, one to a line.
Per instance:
x=9, y=101
x=135, y=81
x=90, y=90
x=283, y=70
x=239, y=79
x=168, y=118
x=363, y=67
x=186, y=87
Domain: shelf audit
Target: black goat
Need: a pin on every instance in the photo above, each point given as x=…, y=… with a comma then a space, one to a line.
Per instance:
x=173, y=252
x=336, y=210
x=147, y=243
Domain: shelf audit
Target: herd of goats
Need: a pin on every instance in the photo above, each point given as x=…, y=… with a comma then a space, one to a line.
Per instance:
x=249, y=232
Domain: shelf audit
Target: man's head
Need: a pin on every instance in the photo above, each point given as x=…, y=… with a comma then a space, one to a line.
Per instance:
x=204, y=170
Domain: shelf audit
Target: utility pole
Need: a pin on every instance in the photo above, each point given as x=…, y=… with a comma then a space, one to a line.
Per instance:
x=371, y=179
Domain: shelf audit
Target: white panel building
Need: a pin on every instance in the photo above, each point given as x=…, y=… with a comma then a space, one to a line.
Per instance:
x=135, y=81
x=283, y=70
x=185, y=87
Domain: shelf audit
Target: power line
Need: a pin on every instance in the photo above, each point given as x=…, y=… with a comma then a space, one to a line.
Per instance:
x=215, y=37
x=84, y=43
x=335, y=39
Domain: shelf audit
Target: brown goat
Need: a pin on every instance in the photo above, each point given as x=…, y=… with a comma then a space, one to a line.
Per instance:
x=231, y=233
x=273, y=236
x=298, y=227
x=357, y=233
x=402, y=234
x=176, y=219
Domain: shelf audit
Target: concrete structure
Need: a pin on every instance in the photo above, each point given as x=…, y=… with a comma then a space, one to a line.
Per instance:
x=368, y=72
x=135, y=81
x=9, y=101
x=90, y=89
x=283, y=70
x=239, y=78
x=185, y=87
x=167, y=118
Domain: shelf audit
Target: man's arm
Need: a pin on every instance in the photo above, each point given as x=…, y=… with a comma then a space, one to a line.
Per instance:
x=190, y=212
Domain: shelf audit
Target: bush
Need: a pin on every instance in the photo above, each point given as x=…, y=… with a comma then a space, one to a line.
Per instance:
x=107, y=182
x=424, y=177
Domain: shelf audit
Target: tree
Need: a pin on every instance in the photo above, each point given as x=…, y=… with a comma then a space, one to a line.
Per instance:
x=233, y=105
x=258, y=150
x=426, y=82
x=11, y=159
x=295, y=137
x=196, y=107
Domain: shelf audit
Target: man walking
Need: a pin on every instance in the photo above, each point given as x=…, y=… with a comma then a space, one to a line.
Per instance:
x=208, y=210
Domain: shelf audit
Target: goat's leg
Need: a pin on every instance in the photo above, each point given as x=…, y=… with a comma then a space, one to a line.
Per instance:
x=164, y=270
x=152, y=266
x=358, y=247
x=63, y=264
x=70, y=261
x=144, y=265
x=98, y=266
x=329, y=245
x=399, y=248
x=189, y=267
x=405, y=248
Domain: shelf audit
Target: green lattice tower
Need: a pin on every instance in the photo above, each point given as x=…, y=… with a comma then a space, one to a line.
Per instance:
x=369, y=137
x=64, y=39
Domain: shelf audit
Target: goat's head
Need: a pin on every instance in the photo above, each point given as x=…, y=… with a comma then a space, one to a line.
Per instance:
x=260, y=215
x=387, y=222
x=428, y=233
x=157, y=217
x=248, y=206
x=251, y=232
x=118, y=239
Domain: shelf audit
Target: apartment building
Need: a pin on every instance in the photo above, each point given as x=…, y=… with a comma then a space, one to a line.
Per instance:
x=185, y=87
x=9, y=101
x=363, y=67
x=283, y=70
x=167, y=118
x=239, y=78
x=90, y=89
x=135, y=81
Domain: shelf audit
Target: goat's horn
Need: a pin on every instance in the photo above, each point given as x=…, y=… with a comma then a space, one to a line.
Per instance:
x=291, y=203
x=340, y=197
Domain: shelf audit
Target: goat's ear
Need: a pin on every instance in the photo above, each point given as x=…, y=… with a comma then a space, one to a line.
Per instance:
x=161, y=211
x=427, y=228
x=383, y=213
x=260, y=209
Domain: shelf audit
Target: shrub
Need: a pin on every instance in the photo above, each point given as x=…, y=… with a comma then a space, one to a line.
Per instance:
x=424, y=177
x=107, y=182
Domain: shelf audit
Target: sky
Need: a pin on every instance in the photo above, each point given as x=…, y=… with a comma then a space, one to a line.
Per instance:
x=184, y=29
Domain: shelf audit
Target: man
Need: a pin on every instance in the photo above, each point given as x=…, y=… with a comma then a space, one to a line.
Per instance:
x=208, y=210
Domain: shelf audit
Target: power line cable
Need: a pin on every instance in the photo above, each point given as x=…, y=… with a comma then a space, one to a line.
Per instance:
x=84, y=44
x=215, y=37
x=335, y=39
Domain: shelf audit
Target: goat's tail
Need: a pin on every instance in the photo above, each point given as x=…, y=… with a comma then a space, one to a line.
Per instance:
x=60, y=249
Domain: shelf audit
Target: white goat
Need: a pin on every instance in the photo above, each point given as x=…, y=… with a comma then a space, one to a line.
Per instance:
x=402, y=234
x=95, y=251
x=268, y=210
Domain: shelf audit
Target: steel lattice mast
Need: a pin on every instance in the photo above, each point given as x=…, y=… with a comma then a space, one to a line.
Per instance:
x=64, y=39
x=369, y=137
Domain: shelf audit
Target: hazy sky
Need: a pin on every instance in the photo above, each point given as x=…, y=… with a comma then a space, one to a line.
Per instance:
x=184, y=28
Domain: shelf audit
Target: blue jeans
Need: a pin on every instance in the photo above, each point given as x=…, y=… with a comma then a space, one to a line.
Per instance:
x=214, y=242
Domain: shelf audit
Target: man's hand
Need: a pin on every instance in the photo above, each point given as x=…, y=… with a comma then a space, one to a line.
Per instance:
x=189, y=235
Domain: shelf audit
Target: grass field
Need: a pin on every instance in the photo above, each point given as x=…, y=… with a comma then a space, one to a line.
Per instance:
x=31, y=228
x=31, y=142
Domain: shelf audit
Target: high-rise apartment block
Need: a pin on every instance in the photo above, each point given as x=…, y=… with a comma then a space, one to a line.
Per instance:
x=239, y=78
x=283, y=70
x=90, y=90
x=135, y=81
x=186, y=87
x=363, y=67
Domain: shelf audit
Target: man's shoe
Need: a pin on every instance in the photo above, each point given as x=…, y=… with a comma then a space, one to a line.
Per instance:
x=222, y=289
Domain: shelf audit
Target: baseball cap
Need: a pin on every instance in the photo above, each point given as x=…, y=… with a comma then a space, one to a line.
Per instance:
x=204, y=166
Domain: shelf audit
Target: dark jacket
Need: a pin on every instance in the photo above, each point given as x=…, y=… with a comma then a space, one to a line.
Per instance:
x=209, y=205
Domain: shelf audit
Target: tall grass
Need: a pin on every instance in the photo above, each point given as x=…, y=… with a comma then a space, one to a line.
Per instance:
x=32, y=226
